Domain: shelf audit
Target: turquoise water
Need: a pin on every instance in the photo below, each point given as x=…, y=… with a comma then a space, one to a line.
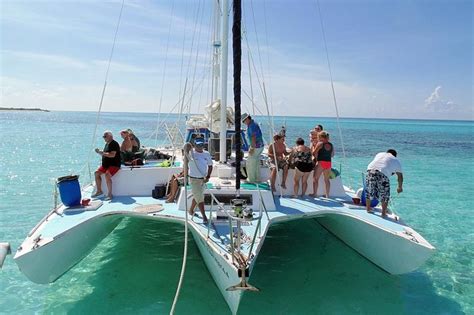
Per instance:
x=302, y=268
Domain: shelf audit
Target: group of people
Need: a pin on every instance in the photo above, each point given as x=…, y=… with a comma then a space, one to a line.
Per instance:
x=316, y=158
x=305, y=159
x=113, y=155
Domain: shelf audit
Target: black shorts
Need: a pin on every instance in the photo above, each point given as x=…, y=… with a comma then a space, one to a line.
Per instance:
x=304, y=167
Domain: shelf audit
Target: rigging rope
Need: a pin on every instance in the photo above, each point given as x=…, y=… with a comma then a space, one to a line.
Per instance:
x=264, y=92
x=197, y=53
x=268, y=61
x=181, y=99
x=182, y=50
x=94, y=135
x=185, y=251
x=332, y=82
x=164, y=71
x=190, y=57
x=251, y=87
x=261, y=85
x=209, y=74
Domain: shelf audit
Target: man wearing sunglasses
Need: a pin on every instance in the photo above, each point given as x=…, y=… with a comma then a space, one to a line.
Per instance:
x=110, y=164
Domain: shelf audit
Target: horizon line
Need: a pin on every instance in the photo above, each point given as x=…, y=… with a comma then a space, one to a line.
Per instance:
x=279, y=116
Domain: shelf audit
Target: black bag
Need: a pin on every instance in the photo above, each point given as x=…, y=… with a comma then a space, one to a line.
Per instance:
x=159, y=191
x=136, y=162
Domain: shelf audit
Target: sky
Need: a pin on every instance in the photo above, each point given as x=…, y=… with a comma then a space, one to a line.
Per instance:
x=389, y=59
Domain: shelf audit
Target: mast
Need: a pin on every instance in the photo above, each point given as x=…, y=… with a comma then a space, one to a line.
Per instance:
x=217, y=52
x=237, y=54
x=224, y=52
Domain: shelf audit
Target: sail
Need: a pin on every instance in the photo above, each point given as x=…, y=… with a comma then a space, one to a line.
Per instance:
x=213, y=116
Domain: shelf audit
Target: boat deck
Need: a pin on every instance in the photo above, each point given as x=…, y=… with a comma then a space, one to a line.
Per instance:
x=229, y=245
x=286, y=208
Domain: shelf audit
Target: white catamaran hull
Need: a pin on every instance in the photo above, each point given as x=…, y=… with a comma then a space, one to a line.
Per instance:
x=396, y=253
x=221, y=269
x=52, y=257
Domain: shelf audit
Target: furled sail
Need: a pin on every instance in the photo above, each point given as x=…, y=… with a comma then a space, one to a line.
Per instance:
x=214, y=118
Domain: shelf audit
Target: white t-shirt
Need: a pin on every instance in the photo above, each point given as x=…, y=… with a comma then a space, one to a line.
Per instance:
x=386, y=163
x=199, y=163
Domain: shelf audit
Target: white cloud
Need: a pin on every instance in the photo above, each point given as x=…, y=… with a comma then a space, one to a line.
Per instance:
x=123, y=67
x=436, y=103
x=50, y=59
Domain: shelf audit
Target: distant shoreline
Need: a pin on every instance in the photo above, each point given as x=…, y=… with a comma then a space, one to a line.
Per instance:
x=25, y=109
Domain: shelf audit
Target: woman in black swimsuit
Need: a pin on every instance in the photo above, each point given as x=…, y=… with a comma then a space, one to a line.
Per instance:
x=303, y=166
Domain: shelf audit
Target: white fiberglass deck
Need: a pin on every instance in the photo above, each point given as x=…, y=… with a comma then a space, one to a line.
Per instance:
x=286, y=208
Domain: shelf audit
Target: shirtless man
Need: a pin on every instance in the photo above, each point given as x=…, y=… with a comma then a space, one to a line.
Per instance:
x=279, y=147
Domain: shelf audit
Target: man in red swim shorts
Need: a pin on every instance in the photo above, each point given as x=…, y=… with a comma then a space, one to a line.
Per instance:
x=110, y=164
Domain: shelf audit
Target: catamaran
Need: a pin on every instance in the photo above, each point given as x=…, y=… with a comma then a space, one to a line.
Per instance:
x=240, y=214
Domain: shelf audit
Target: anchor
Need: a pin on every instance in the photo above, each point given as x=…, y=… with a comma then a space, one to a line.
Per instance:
x=240, y=213
x=243, y=285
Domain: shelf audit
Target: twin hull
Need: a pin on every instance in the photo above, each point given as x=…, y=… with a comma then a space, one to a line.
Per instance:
x=392, y=252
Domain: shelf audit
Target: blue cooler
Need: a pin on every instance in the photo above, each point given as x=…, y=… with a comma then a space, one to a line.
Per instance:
x=69, y=190
x=373, y=202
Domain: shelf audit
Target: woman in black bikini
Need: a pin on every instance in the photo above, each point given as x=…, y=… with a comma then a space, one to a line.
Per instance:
x=303, y=166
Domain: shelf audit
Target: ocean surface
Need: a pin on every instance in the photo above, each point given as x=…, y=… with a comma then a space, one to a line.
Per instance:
x=302, y=269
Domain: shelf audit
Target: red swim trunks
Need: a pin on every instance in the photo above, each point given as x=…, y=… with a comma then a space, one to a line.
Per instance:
x=112, y=169
x=325, y=165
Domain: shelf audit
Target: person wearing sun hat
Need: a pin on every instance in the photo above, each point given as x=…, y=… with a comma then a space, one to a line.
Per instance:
x=255, y=139
x=200, y=169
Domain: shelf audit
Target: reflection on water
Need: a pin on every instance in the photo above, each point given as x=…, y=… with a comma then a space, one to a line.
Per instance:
x=302, y=269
